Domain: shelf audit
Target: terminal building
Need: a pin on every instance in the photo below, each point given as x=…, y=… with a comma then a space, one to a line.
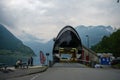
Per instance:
x=68, y=47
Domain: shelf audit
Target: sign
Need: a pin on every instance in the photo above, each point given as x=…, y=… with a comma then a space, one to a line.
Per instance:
x=105, y=60
x=42, y=58
x=82, y=54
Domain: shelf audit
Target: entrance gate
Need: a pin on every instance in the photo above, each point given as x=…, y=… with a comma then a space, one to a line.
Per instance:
x=68, y=54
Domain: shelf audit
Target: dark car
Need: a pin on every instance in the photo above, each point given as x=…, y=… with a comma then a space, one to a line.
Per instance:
x=115, y=61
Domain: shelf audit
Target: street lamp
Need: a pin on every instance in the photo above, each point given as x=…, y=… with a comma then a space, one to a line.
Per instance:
x=87, y=40
x=47, y=54
x=87, y=57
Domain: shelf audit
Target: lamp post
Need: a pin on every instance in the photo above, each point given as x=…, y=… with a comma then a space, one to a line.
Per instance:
x=87, y=57
x=47, y=54
x=87, y=40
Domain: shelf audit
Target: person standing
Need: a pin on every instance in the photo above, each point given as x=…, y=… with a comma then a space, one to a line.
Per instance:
x=31, y=61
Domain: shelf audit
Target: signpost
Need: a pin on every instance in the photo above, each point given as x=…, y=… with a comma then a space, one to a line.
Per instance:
x=47, y=54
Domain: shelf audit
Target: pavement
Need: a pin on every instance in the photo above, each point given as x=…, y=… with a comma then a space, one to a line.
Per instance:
x=103, y=66
x=11, y=72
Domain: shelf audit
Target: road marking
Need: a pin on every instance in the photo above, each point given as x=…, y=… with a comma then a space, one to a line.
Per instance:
x=35, y=77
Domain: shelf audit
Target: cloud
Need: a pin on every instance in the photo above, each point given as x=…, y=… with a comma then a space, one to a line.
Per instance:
x=43, y=19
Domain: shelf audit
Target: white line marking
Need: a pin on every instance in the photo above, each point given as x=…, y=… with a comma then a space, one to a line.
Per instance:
x=35, y=77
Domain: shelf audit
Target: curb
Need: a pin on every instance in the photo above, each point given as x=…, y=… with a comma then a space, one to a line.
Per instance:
x=23, y=72
x=40, y=71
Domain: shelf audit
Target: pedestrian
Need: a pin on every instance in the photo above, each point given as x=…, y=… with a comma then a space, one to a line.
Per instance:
x=31, y=61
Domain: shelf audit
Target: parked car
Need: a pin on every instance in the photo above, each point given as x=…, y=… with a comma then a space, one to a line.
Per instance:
x=115, y=61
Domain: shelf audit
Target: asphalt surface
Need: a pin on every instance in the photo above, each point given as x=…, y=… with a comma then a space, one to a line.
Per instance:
x=11, y=72
x=73, y=71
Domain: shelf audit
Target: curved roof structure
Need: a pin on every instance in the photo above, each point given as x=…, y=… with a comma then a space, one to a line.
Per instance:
x=67, y=38
x=68, y=28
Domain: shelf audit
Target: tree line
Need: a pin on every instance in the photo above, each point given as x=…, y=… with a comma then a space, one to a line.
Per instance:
x=109, y=44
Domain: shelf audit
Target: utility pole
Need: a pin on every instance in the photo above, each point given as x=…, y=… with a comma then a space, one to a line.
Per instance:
x=87, y=40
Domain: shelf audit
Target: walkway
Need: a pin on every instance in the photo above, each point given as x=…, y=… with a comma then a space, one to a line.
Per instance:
x=12, y=73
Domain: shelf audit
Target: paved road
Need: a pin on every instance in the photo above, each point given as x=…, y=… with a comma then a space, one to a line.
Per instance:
x=74, y=72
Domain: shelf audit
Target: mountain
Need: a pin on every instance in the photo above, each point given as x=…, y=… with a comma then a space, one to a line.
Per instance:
x=95, y=33
x=10, y=45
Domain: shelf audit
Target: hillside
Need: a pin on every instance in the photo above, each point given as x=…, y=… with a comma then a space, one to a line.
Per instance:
x=109, y=44
x=10, y=45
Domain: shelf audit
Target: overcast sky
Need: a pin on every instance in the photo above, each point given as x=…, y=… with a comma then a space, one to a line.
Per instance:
x=41, y=20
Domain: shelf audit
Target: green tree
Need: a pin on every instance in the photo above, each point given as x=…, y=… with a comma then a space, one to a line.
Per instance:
x=109, y=44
